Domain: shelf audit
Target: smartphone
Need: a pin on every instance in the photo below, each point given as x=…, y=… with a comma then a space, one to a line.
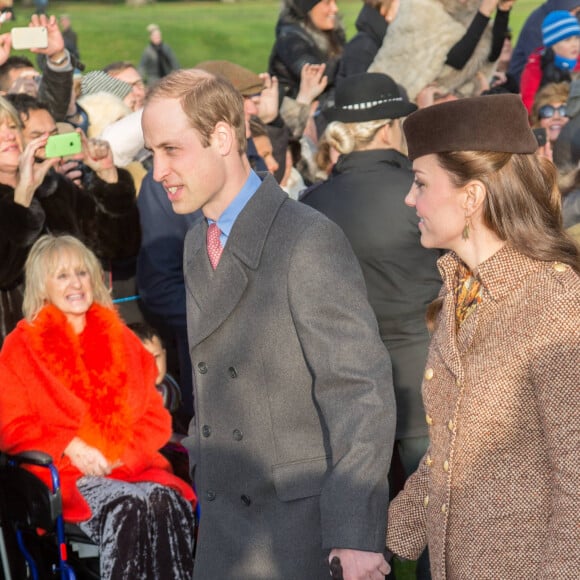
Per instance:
x=63, y=145
x=541, y=136
x=32, y=37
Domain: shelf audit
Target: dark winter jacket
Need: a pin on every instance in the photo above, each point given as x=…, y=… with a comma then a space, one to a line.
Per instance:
x=365, y=197
x=361, y=50
x=296, y=46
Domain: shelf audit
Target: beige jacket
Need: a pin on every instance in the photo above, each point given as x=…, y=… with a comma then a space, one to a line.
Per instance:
x=415, y=49
x=498, y=493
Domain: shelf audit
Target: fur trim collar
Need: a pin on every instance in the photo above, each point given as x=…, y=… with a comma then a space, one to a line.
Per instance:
x=92, y=366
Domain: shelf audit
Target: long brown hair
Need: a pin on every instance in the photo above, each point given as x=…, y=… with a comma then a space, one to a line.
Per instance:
x=522, y=205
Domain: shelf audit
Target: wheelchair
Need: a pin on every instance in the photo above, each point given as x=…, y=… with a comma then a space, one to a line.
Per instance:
x=35, y=542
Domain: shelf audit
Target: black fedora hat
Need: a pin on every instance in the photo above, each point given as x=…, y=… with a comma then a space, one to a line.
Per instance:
x=368, y=97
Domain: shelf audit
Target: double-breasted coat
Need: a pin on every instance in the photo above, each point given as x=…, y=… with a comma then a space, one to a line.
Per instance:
x=294, y=405
x=497, y=495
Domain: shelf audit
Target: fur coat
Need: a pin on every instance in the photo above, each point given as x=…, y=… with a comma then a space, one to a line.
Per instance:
x=98, y=385
x=103, y=215
x=415, y=49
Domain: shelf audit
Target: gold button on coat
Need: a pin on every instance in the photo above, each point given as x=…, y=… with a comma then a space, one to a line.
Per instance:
x=428, y=461
x=559, y=267
x=446, y=465
x=429, y=374
x=444, y=508
x=426, y=501
x=450, y=425
x=429, y=419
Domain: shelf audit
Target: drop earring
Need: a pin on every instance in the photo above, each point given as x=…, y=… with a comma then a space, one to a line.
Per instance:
x=466, y=228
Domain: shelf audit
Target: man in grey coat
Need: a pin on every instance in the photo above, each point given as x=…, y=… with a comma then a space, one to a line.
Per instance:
x=294, y=405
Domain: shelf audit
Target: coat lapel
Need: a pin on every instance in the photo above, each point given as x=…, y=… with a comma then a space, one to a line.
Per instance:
x=213, y=295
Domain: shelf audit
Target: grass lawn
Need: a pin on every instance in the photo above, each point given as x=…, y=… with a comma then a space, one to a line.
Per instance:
x=242, y=32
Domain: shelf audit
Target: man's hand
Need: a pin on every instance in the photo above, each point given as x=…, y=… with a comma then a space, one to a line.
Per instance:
x=360, y=565
x=55, y=48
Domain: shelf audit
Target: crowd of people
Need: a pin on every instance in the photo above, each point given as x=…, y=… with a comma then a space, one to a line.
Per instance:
x=335, y=304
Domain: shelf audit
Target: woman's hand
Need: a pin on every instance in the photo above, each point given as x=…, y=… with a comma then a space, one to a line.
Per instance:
x=99, y=157
x=88, y=460
x=313, y=81
x=31, y=173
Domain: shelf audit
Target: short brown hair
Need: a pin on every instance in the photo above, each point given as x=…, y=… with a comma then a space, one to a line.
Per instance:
x=206, y=100
x=42, y=261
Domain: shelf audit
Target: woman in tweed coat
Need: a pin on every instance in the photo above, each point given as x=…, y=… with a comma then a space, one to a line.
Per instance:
x=497, y=494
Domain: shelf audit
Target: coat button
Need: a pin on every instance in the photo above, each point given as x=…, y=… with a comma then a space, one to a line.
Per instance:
x=559, y=267
x=450, y=425
x=210, y=495
x=428, y=419
x=458, y=383
x=428, y=461
x=202, y=368
x=246, y=500
x=446, y=466
x=233, y=372
x=429, y=374
x=444, y=508
x=206, y=430
x=238, y=435
x=426, y=501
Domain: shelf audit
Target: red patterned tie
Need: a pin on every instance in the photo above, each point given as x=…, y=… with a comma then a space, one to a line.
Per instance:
x=214, y=246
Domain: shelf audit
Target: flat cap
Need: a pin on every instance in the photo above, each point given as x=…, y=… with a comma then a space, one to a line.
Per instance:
x=489, y=123
x=248, y=83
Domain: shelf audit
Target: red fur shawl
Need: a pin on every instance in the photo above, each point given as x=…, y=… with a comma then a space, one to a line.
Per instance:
x=98, y=385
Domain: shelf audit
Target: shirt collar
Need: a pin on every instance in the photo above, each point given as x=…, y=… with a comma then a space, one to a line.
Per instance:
x=226, y=221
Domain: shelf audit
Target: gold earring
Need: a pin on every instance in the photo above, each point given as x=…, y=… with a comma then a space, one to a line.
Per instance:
x=466, y=228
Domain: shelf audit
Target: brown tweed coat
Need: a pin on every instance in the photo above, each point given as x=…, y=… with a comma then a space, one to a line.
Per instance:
x=497, y=495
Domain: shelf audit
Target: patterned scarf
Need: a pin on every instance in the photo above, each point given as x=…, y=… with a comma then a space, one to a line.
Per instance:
x=467, y=294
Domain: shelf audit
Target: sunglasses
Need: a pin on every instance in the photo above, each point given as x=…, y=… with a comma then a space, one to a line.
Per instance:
x=548, y=111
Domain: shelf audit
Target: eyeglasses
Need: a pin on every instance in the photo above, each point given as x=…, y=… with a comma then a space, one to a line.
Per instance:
x=548, y=111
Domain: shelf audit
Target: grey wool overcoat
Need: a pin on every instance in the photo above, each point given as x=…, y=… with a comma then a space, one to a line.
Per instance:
x=294, y=401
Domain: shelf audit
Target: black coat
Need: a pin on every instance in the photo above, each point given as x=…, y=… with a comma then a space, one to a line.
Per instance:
x=104, y=216
x=295, y=47
x=361, y=50
x=365, y=197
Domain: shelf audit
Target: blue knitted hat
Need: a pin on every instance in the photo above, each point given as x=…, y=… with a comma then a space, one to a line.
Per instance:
x=559, y=25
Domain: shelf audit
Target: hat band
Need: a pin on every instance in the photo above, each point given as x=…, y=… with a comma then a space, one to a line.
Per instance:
x=369, y=104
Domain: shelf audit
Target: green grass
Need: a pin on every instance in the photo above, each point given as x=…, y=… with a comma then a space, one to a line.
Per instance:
x=242, y=32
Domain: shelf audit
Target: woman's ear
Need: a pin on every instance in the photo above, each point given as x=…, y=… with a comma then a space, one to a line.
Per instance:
x=475, y=193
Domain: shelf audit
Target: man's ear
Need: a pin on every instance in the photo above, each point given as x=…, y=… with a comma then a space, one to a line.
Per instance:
x=224, y=137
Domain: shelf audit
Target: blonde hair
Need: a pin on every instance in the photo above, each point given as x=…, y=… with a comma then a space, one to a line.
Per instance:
x=7, y=111
x=349, y=137
x=43, y=260
x=206, y=100
x=548, y=94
